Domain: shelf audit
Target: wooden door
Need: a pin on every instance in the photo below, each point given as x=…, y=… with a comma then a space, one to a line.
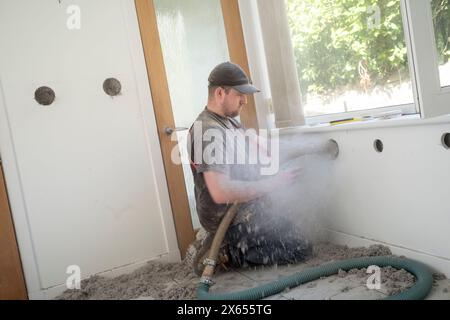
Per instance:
x=12, y=284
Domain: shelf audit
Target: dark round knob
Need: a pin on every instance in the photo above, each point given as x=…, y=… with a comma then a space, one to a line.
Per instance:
x=44, y=96
x=112, y=87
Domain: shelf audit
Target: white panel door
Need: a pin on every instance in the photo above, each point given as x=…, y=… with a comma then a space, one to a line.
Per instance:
x=90, y=181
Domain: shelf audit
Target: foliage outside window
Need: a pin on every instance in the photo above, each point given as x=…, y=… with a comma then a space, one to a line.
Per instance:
x=441, y=18
x=351, y=54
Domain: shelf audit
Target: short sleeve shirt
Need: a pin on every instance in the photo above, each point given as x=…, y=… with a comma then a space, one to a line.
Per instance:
x=212, y=150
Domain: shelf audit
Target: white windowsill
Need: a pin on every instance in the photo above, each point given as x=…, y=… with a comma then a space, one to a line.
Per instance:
x=403, y=121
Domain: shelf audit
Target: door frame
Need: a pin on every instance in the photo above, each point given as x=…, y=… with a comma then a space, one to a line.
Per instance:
x=14, y=287
x=17, y=205
x=163, y=107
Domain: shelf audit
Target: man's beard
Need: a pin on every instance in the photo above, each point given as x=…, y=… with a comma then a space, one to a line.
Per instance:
x=235, y=113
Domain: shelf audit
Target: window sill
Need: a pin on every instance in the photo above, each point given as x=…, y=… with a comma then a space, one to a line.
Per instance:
x=403, y=121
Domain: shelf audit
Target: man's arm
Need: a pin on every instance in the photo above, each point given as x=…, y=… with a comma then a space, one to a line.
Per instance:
x=224, y=190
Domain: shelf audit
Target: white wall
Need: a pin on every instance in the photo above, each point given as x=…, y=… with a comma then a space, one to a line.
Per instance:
x=85, y=175
x=398, y=197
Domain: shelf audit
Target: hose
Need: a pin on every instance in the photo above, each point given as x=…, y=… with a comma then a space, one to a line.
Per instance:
x=211, y=261
x=200, y=255
x=420, y=290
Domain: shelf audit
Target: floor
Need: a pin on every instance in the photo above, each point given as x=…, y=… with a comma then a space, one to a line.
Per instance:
x=176, y=281
x=331, y=288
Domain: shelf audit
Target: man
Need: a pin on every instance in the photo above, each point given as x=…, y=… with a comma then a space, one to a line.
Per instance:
x=255, y=236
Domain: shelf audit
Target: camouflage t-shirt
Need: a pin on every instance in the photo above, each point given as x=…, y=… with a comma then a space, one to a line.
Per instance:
x=209, y=148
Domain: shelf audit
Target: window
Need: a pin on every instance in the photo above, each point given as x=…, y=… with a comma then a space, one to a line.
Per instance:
x=426, y=19
x=350, y=54
x=352, y=58
x=441, y=22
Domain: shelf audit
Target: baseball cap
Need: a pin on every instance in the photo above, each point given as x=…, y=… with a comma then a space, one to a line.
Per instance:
x=231, y=75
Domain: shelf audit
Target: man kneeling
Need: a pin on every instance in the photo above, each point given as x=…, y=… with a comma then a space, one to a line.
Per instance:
x=255, y=237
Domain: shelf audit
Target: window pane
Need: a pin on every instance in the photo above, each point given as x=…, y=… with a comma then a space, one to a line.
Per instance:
x=441, y=18
x=351, y=54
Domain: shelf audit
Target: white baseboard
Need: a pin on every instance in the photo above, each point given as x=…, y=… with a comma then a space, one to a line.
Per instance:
x=53, y=292
x=437, y=264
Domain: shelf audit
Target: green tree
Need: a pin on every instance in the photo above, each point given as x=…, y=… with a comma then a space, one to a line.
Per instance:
x=441, y=17
x=336, y=40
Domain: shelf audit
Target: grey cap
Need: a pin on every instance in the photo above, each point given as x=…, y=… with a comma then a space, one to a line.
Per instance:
x=231, y=75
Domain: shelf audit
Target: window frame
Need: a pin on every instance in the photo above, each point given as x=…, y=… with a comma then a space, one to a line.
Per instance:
x=406, y=109
x=433, y=99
